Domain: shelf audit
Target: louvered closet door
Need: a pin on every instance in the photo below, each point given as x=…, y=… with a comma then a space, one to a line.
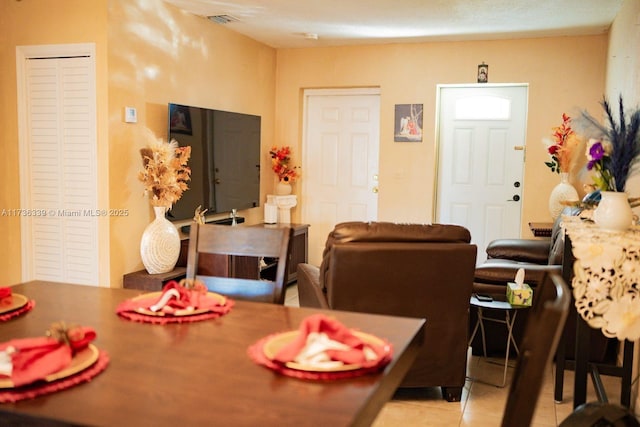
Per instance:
x=61, y=214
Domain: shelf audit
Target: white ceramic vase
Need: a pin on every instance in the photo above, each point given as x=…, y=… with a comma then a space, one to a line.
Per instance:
x=563, y=192
x=160, y=244
x=613, y=211
x=283, y=188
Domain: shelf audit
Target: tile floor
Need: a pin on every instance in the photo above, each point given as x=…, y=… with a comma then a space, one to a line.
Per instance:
x=481, y=405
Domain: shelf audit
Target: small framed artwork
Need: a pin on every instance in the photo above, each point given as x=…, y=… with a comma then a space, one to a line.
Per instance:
x=180, y=119
x=483, y=73
x=408, y=123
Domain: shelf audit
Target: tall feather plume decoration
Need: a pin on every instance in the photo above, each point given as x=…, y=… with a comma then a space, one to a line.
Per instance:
x=624, y=137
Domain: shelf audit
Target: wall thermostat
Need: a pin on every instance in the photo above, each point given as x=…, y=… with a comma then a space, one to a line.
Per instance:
x=130, y=115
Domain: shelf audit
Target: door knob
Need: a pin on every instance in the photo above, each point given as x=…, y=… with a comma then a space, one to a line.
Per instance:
x=374, y=189
x=515, y=198
x=217, y=181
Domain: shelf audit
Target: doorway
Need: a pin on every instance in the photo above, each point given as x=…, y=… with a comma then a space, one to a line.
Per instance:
x=481, y=148
x=340, y=161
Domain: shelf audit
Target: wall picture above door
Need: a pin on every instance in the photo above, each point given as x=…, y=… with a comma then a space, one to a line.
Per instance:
x=408, y=123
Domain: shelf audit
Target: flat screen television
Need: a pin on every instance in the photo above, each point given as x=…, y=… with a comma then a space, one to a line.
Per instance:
x=225, y=160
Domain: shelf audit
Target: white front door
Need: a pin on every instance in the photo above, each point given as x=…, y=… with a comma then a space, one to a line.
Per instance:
x=481, y=145
x=340, y=161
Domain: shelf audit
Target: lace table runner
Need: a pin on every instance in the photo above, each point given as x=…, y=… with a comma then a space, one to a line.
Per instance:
x=606, y=282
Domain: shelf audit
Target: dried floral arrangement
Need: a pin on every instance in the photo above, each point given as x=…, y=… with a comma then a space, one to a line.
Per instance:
x=280, y=163
x=165, y=172
x=563, y=147
x=615, y=147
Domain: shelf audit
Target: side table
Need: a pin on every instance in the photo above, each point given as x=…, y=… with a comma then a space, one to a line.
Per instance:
x=511, y=311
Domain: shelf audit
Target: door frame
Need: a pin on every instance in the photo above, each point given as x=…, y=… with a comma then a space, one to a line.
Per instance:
x=307, y=94
x=327, y=92
x=439, y=89
x=23, y=53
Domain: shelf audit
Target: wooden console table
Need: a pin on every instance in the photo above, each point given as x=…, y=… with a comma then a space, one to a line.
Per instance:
x=151, y=282
x=541, y=229
x=225, y=266
x=588, y=251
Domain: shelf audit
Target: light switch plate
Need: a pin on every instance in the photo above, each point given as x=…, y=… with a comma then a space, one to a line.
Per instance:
x=130, y=115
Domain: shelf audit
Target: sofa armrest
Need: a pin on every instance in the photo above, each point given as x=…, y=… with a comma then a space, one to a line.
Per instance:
x=522, y=250
x=500, y=272
x=310, y=294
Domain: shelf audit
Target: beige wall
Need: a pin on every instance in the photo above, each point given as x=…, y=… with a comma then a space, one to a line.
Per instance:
x=623, y=63
x=149, y=54
x=157, y=55
x=562, y=73
x=623, y=68
x=623, y=77
x=39, y=23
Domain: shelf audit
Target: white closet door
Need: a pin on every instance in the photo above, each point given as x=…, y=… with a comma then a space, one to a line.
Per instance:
x=60, y=215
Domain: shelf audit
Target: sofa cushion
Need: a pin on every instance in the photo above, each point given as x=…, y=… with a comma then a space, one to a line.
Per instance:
x=521, y=250
x=392, y=232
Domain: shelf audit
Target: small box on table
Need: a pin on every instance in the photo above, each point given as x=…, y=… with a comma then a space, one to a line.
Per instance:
x=519, y=296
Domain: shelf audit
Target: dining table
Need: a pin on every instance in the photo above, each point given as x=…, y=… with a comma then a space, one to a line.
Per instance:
x=199, y=373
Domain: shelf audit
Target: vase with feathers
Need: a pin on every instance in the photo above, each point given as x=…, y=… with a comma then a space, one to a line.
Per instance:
x=165, y=175
x=613, y=152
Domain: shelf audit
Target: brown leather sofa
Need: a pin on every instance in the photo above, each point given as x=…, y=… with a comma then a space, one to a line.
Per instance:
x=504, y=258
x=411, y=270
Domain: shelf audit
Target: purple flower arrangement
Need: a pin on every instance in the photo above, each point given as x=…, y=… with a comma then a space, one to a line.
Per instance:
x=614, y=156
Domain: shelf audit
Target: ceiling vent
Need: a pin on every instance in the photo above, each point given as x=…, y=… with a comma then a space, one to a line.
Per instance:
x=223, y=19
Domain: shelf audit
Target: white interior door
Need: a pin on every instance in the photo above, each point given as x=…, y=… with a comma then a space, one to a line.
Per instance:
x=481, y=145
x=340, y=161
x=58, y=164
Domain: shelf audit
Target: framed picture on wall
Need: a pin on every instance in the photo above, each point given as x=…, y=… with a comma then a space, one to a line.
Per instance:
x=408, y=123
x=180, y=119
x=483, y=73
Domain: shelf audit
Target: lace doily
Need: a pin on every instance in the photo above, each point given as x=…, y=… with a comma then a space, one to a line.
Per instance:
x=606, y=282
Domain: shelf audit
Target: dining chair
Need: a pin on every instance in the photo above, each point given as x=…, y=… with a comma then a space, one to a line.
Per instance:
x=542, y=333
x=265, y=248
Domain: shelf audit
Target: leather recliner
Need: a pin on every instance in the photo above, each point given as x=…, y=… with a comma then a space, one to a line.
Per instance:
x=504, y=258
x=411, y=270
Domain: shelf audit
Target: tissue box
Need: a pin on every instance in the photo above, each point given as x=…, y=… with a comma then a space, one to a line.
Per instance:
x=516, y=296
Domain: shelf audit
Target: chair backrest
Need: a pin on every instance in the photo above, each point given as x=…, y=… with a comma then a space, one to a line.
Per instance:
x=242, y=249
x=542, y=333
x=412, y=270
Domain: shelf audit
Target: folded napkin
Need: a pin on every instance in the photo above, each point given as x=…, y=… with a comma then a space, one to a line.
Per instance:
x=325, y=343
x=175, y=299
x=5, y=295
x=30, y=359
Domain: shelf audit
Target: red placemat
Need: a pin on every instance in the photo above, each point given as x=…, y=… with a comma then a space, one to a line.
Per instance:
x=41, y=388
x=163, y=320
x=18, y=312
x=256, y=353
x=214, y=313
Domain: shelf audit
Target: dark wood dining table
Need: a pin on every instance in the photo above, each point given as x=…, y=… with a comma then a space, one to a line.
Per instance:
x=199, y=373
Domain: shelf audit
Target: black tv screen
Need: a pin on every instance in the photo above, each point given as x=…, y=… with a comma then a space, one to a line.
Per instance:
x=225, y=159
